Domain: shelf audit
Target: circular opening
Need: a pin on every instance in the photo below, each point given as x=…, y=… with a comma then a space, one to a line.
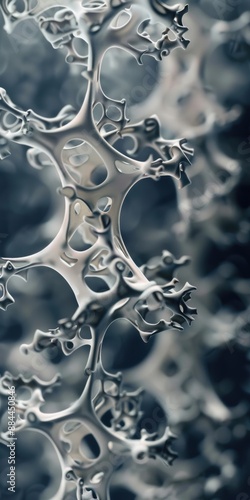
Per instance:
x=171, y=368
x=78, y=160
x=77, y=242
x=114, y=113
x=104, y=204
x=111, y=388
x=80, y=46
x=99, y=175
x=10, y=120
x=89, y=447
x=19, y=6
x=121, y=20
x=96, y=284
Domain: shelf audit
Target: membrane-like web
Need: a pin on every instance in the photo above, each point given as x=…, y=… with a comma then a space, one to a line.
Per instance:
x=95, y=178
x=106, y=373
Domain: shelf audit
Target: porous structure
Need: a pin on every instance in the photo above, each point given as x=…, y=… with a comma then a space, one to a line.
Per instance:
x=112, y=386
x=96, y=175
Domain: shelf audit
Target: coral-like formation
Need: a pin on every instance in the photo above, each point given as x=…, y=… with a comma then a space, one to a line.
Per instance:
x=95, y=179
x=111, y=385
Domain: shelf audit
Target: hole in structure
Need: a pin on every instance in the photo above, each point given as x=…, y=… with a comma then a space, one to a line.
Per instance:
x=107, y=128
x=78, y=160
x=93, y=5
x=19, y=5
x=104, y=204
x=146, y=204
x=170, y=367
x=96, y=284
x=73, y=143
x=10, y=120
x=141, y=456
x=114, y=113
x=99, y=175
x=116, y=66
x=80, y=46
x=85, y=333
x=122, y=423
x=111, y=388
x=98, y=112
x=89, y=447
x=122, y=346
x=69, y=345
x=77, y=241
x=121, y=20
x=107, y=418
x=45, y=290
x=77, y=153
x=31, y=201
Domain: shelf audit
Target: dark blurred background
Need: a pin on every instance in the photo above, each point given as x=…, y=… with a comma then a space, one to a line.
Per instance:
x=199, y=378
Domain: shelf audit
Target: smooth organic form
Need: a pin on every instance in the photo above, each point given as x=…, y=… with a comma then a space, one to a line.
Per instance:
x=88, y=250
